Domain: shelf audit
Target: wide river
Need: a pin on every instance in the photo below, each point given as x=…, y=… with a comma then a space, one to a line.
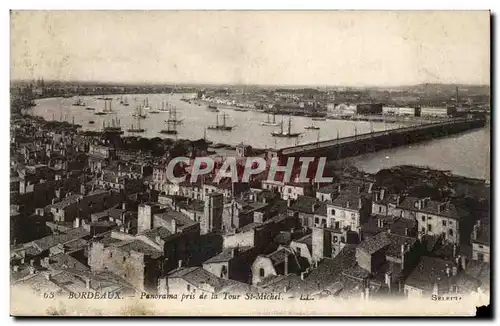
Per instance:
x=465, y=154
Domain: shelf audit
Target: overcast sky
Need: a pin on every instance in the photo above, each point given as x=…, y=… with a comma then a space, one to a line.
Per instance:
x=275, y=48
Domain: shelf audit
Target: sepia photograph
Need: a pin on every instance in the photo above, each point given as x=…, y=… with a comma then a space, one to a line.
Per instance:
x=250, y=163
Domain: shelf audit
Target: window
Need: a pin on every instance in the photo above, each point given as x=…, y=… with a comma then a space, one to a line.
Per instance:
x=480, y=247
x=380, y=209
x=444, y=223
x=332, y=211
x=429, y=227
x=423, y=217
x=189, y=288
x=124, y=259
x=423, y=229
x=298, y=251
x=262, y=273
x=450, y=232
x=289, y=190
x=450, y=222
x=335, y=239
x=110, y=255
x=429, y=218
x=337, y=225
x=353, y=216
x=316, y=220
x=342, y=239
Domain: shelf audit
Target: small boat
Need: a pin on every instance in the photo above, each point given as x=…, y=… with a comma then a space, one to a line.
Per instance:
x=100, y=113
x=213, y=108
x=91, y=122
x=78, y=102
x=286, y=134
x=240, y=110
x=90, y=109
x=312, y=127
x=318, y=119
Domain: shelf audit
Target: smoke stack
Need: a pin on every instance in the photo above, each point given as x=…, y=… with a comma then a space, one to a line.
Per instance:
x=174, y=226
x=286, y=263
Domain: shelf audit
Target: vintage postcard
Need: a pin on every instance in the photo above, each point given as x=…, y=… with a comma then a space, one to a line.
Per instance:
x=249, y=163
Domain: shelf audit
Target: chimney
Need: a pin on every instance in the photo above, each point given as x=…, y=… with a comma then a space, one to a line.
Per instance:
x=454, y=250
x=289, y=202
x=406, y=232
x=377, y=196
x=382, y=194
x=454, y=271
x=463, y=263
x=360, y=203
x=179, y=263
x=124, y=206
x=388, y=280
x=398, y=199
x=32, y=262
x=174, y=226
x=367, y=291
x=347, y=204
x=87, y=283
x=448, y=271
x=339, y=188
x=235, y=251
x=76, y=222
x=286, y=263
x=435, y=289
x=303, y=276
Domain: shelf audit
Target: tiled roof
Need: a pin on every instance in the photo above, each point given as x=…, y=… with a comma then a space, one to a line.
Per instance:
x=328, y=271
x=161, y=232
x=375, y=243
x=142, y=247
x=445, y=209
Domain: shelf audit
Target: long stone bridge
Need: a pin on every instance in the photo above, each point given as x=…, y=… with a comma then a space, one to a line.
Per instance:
x=371, y=142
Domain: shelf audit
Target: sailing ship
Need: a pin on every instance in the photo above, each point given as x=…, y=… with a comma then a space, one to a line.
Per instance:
x=164, y=108
x=78, y=102
x=113, y=127
x=286, y=134
x=139, y=114
x=268, y=122
x=105, y=110
x=171, y=124
x=137, y=128
x=173, y=117
x=223, y=126
x=146, y=104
